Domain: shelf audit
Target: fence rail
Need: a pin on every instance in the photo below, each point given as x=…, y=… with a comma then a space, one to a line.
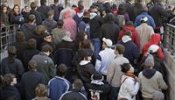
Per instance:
x=8, y=36
x=169, y=37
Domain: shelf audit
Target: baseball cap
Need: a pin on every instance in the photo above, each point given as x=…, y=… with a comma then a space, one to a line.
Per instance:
x=107, y=41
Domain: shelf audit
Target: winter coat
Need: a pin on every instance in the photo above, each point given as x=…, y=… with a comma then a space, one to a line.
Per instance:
x=28, y=30
x=154, y=40
x=57, y=9
x=134, y=34
x=58, y=34
x=130, y=11
x=144, y=14
x=29, y=81
x=38, y=16
x=45, y=65
x=43, y=9
x=17, y=19
x=57, y=86
x=50, y=24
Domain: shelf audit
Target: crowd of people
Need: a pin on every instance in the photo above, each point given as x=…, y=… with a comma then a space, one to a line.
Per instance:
x=105, y=52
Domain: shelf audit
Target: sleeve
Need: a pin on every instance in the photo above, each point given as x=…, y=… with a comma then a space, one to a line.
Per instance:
x=136, y=52
x=20, y=68
x=98, y=63
x=152, y=22
x=132, y=87
x=52, y=69
x=136, y=23
x=161, y=82
x=110, y=72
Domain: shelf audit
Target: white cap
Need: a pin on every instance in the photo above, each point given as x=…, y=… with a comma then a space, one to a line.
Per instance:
x=108, y=42
x=126, y=38
x=145, y=19
x=153, y=48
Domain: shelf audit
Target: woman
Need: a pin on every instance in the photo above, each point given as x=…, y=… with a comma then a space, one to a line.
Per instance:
x=129, y=83
x=4, y=16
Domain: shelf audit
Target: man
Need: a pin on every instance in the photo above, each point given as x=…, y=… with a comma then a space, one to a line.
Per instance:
x=75, y=93
x=36, y=13
x=43, y=9
x=45, y=64
x=105, y=57
x=114, y=71
x=58, y=85
x=30, y=80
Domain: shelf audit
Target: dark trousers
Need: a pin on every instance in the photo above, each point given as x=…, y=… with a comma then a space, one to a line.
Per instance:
x=114, y=93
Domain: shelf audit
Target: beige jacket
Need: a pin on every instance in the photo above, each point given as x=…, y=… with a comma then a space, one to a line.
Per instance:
x=114, y=70
x=149, y=86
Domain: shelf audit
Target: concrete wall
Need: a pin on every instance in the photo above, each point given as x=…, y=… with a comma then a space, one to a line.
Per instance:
x=170, y=66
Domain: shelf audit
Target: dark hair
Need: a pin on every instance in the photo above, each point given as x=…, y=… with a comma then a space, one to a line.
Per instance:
x=60, y=23
x=32, y=43
x=50, y=13
x=61, y=70
x=42, y=2
x=46, y=48
x=109, y=17
x=8, y=79
x=31, y=18
x=120, y=48
x=11, y=54
x=84, y=53
x=33, y=5
x=121, y=9
x=85, y=44
x=32, y=64
x=78, y=84
x=125, y=67
x=16, y=5
x=40, y=29
x=20, y=37
x=41, y=90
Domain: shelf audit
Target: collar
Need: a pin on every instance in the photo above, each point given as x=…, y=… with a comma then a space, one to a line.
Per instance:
x=84, y=62
x=97, y=82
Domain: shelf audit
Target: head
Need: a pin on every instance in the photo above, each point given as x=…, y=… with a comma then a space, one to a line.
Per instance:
x=60, y=23
x=20, y=37
x=9, y=80
x=109, y=17
x=149, y=62
x=47, y=49
x=26, y=8
x=80, y=5
x=16, y=8
x=86, y=16
x=12, y=51
x=97, y=76
x=41, y=90
x=77, y=84
x=107, y=43
x=50, y=14
x=85, y=44
x=61, y=70
x=43, y=2
x=47, y=37
x=40, y=29
x=121, y=9
x=33, y=6
x=32, y=43
x=32, y=65
x=85, y=54
x=119, y=49
x=4, y=9
x=31, y=18
x=127, y=68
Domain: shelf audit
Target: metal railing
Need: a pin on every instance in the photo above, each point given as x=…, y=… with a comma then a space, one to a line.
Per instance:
x=8, y=36
x=169, y=39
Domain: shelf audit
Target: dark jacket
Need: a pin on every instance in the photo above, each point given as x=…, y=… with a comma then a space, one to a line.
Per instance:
x=57, y=9
x=17, y=20
x=43, y=9
x=50, y=24
x=110, y=31
x=39, y=40
x=45, y=65
x=57, y=86
x=9, y=93
x=28, y=30
x=37, y=15
x=29, y=81
x=130, y=11
x=73, y=95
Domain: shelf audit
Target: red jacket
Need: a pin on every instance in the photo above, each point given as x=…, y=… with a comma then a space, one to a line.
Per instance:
x=155, y=39
x=129, y=28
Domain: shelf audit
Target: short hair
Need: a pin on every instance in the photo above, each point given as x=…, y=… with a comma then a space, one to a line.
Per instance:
x=61, y=70
x=42, y=2
x=60, y=23
x=40, y=29
x=31, y=18
x=32, y=64
x=120, y=48
x=20, y=37
x=41, y=90
x=46, y=48
x=12, y=50
x=50, y=13
x=86, y=44
x=8, y=78
x=33, y=5
x=125, y=67
x=32, y=43
x=78, y=84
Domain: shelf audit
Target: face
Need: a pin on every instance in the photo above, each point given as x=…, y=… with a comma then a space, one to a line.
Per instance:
x=16, y=9
x=27, y=9
x=48, y=38
x=4, y=9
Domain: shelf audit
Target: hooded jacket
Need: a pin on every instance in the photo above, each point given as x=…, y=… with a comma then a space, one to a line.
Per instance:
x=28, y=30
x=154, y=40
x=134, y=36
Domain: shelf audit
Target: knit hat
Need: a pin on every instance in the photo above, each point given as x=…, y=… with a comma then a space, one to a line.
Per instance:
x=158, y=95
x=149, y=61
x=107, y=41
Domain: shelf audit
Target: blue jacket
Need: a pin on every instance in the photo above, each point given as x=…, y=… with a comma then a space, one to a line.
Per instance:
x=57, y=86
x=150, y=19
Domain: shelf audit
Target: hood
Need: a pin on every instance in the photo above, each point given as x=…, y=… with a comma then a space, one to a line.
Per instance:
x=149, y=73
x=84, y=62
x=155, y=38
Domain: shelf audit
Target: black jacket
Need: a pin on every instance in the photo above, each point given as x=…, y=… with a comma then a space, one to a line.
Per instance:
x=28, y=30
x=43, y=9
x=37, y=15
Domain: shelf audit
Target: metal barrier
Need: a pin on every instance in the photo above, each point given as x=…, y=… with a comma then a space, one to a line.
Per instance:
x=8, y=36
x=169, y=37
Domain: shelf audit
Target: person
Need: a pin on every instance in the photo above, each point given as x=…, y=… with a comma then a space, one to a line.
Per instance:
x=130, y=9
x=41, y=92
x=47, y=39
x=144, y=13
x=144, y=31
x=98, y=88
x=152, y=77
x=43, y=9
x=109, y=29
x=129, y=83
x=45, y=64
x=30, y=80
x=29, y=27
x=114, y=71
x=75, y=93
x=11, y=64
x=131, y=50
x=58, y=84
x=25, y=12
x=49, y=22
x=105, y=57
x=9, y=91
x=4, y=19
x=36, y=13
